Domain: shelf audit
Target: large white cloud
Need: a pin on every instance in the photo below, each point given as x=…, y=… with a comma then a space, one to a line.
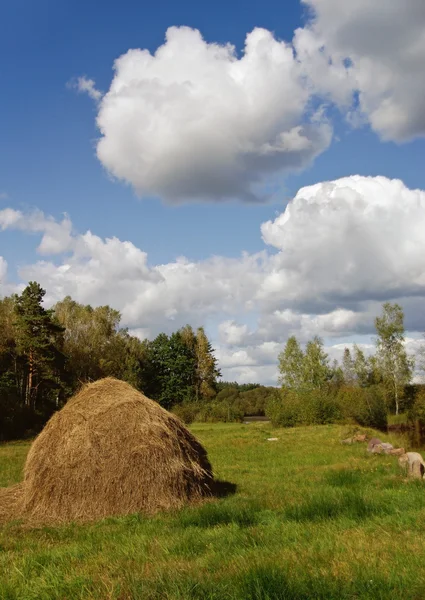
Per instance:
x=195, y=121
x=347, y=241
x=343, y=247
x=373, y=49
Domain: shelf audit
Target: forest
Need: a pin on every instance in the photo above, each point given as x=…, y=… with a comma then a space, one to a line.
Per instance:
x=47, y=354
x=362, y=389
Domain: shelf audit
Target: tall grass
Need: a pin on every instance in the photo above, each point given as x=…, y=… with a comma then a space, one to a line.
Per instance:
x=310, y=518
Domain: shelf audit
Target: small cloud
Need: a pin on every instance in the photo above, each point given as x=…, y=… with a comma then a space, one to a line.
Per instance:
x=83, y=85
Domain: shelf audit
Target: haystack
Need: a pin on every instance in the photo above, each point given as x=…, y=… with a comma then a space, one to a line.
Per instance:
x=112, y=451
x=9, y=499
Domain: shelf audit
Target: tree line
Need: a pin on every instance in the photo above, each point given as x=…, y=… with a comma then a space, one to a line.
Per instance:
x=46, y=354
x=360, y=388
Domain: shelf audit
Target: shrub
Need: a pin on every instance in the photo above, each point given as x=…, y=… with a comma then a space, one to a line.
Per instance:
x=365, y=406
x=417, y=411
x=284, y=409
x=224, y=412
x=208, y=412
x=253, y=402
x=187, y=411
x=304, y=407
x=321, y=407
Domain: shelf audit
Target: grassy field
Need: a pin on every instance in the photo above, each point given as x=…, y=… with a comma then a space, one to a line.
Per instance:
x=310, y=518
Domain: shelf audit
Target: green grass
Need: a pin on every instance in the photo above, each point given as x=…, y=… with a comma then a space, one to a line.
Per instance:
x=310, y=518
x=400, y=419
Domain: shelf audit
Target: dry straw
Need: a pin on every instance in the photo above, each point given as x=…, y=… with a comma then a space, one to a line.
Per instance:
x=109, y=451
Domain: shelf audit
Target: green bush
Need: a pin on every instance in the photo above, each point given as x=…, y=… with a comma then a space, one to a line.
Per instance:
x=284, y=409
x=321, y=407
x=365, y=406
x=187, y=411
x=251, y=402
x=417, y=411
x=224, y=412
x=307, y=407
x=208, y=412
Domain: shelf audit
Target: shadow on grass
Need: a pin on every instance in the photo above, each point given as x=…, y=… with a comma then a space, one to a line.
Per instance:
x=343, y=478
x=222, y=488
x=212, y=514
x=348, y=504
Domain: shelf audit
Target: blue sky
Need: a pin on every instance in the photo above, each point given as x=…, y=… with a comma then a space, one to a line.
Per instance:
x=49, y=138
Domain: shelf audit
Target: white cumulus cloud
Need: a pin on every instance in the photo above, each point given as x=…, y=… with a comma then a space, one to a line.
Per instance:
x=347, y=241
x=195, y=121
x=56, y=235
x=343, y=247
x=375, y=50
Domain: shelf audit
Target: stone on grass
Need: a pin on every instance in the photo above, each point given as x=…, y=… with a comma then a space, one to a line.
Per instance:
x=397, y=451
x=418, y=470
x=373, y=442
x=408, y=460
x=382, y=448
x=360, y=437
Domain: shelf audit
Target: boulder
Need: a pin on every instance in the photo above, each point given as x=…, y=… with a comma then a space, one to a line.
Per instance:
x=386, y=447
x=382, y=448
x=396, y=451
x=413, y=463
x=418, y=470
x=373, y=442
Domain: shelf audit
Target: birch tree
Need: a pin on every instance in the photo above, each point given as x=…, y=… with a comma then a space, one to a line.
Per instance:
x=395, y=366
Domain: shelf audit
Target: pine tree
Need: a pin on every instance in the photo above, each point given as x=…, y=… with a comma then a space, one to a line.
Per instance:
x=10, y=371
x=38, y=340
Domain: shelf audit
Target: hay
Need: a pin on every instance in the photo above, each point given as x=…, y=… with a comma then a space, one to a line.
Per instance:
x=111, y=451
x=9, y=498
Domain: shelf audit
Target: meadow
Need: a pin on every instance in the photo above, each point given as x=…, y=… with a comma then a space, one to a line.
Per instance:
x=310, y=518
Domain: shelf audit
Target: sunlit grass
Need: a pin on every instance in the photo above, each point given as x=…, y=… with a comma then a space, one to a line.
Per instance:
x=310, y=518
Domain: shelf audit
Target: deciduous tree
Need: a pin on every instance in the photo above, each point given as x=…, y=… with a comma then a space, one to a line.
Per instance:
x=291, y=365
x=394, y=364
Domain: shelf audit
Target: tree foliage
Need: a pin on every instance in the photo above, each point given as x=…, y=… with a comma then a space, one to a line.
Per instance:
x=314, y=391
x=39, y=343
x=291, y=365
x=46, y=354
x=392, y=360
